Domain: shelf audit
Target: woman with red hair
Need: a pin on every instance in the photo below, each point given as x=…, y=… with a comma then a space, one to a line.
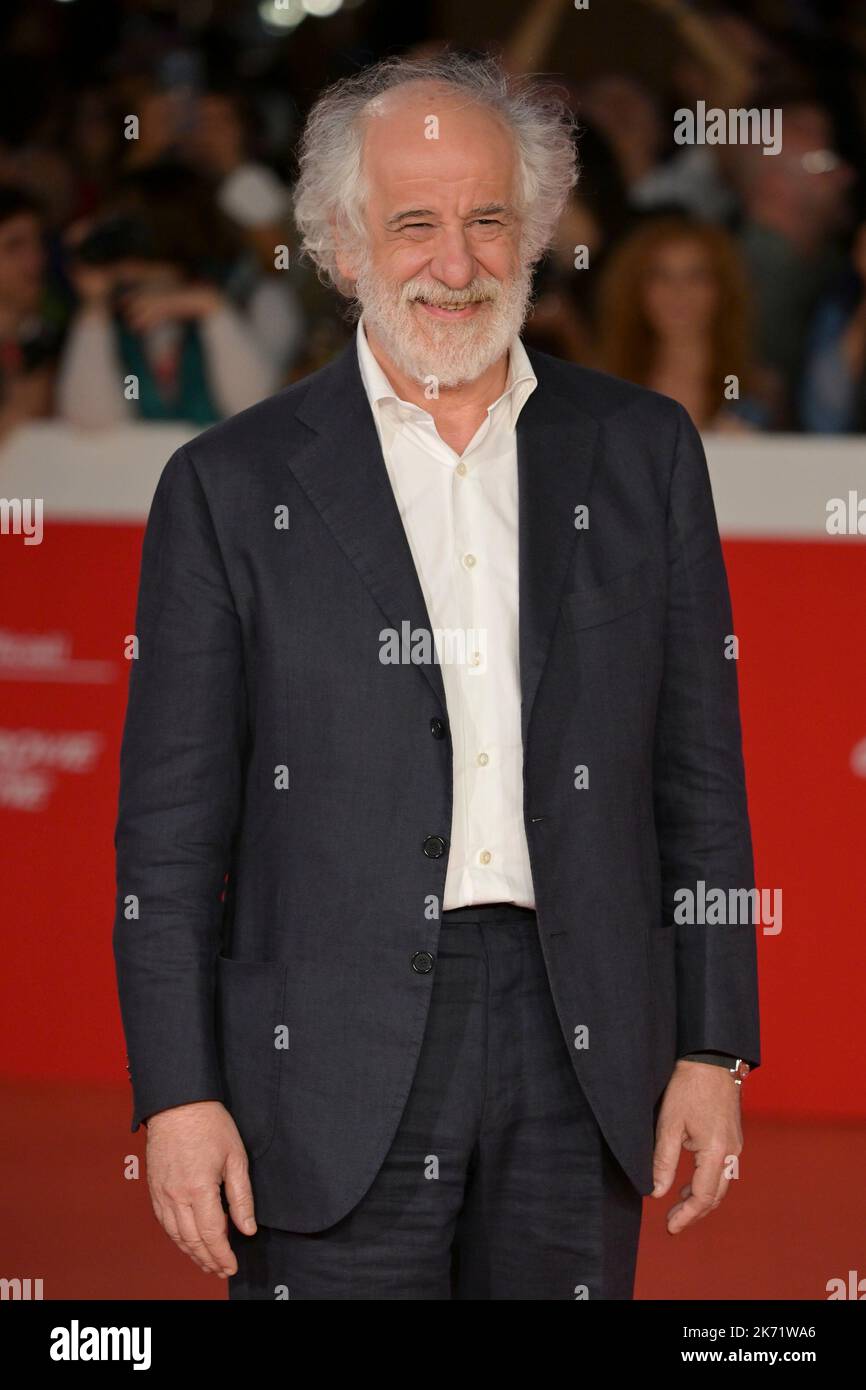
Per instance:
x=673, y=315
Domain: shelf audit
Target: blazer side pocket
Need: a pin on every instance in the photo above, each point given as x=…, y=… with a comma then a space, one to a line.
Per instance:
x=603, y=603
x=249, y=1004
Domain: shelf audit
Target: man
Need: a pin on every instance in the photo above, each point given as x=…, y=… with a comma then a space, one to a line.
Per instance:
x=795, y=204
x=424, y=1039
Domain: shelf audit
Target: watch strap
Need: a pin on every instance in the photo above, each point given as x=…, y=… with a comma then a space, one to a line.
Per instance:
x=716, y=1059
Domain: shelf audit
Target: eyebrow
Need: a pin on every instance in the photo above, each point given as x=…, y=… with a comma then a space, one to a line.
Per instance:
x=486, y=210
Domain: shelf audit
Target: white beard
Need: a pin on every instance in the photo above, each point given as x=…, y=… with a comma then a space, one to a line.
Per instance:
x=453, y=353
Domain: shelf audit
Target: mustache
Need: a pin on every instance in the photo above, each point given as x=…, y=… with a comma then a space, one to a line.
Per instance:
x=444, y=298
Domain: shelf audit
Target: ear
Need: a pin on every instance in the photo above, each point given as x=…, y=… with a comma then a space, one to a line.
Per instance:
x=345, y=254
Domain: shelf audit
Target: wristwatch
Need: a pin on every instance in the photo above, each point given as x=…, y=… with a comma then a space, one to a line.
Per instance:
x=739, y=1071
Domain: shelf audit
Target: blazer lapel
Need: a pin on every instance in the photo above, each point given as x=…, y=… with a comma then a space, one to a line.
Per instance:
x=555, y=455
x=343, y=473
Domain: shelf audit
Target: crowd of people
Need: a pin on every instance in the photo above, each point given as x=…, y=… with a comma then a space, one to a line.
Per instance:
x=148, y=258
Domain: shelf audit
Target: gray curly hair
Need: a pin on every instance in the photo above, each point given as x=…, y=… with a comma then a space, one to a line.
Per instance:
x=330, y=192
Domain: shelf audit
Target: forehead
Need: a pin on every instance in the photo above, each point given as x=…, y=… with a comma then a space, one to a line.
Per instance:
x=473, y=147
x=680, y=249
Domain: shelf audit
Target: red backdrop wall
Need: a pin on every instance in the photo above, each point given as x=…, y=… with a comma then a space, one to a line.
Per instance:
x=800, y=612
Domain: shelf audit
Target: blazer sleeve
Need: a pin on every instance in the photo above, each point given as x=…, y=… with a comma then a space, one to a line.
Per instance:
x=701, y=812
x=181, y=770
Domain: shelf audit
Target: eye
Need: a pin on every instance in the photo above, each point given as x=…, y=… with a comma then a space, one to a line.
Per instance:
x=486, y=226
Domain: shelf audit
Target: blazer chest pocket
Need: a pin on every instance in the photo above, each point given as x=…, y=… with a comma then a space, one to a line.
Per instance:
x=603, y=603
x=249, y=1005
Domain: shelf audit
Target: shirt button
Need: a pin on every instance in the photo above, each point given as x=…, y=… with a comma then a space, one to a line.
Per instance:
x=483, y=759
x=485, y=856
x=434, y=846
x=422, y=962
x=475, y=659
x=469, y=561
x=461, y=469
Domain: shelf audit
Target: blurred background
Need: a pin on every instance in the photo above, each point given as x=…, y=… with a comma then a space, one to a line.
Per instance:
x=759, y=261
x=147, y=161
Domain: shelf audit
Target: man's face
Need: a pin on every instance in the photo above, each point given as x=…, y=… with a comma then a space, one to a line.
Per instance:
x=809, y=178
x=442, y=284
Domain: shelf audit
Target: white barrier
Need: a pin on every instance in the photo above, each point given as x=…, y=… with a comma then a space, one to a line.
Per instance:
x=764, y=485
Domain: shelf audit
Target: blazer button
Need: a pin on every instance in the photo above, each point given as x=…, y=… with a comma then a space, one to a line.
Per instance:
x=437, y=728
x=422, y=962
x=434, y=846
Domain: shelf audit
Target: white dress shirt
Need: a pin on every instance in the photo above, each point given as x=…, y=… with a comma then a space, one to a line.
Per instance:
x=460, y=514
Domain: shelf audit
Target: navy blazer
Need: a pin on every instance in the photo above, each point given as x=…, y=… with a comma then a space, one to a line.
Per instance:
x=281, y=788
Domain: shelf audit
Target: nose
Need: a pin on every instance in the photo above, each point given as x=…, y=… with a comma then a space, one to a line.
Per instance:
x=453, y=263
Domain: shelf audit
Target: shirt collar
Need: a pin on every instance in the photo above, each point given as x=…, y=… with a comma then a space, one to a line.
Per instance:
x=520, y=382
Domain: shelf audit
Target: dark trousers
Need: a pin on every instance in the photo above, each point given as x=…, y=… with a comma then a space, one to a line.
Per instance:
x=499, y=1183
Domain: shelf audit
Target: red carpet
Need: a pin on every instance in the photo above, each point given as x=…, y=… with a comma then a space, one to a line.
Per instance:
x=69, y=1216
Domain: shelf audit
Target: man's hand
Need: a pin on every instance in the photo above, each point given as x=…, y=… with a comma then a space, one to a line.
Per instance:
x=191, y=1149
x=700, y=1112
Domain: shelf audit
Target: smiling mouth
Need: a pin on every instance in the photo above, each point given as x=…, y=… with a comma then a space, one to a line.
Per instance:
x=453, y=310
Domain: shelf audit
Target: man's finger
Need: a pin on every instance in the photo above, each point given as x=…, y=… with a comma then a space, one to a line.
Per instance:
x=666, y=1157
x=239, y=1193
x=168, y=1221
x=190, y=1233
x=688, y=1212
x=164, y=1213
x=709, y=1167
x=724, y=1184
x=211, y=1222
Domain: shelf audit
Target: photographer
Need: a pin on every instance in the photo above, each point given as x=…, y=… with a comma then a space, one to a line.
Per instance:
x=156, y=336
